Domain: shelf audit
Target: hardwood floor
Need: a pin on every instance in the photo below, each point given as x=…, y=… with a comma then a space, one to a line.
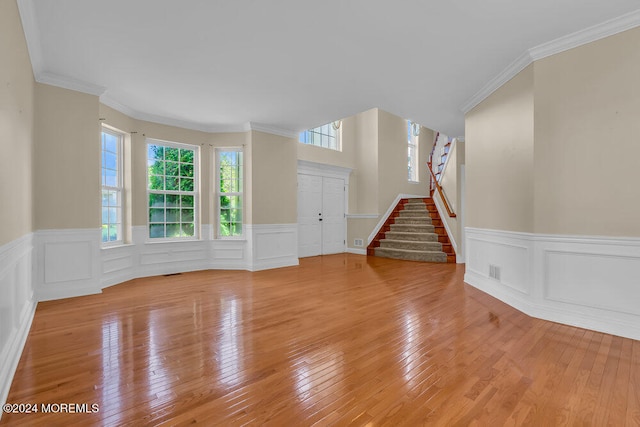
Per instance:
x=339, y=340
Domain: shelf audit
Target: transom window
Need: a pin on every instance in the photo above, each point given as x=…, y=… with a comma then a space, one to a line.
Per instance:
x=325, y=136
x=172, y=182
x=230, y=181
x=111, y=154
x=413, y=132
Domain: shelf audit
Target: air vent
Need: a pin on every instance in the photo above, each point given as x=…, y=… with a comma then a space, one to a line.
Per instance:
x=494, y=271
x=358, y=242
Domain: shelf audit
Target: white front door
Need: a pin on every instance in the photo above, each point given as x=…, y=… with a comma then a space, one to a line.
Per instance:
x=332, y=216
x=321, y=220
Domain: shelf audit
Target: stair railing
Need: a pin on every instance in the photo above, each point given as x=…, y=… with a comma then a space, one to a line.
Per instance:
x=434, y=184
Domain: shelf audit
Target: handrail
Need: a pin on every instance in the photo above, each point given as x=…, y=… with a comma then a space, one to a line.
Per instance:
x=440, y=191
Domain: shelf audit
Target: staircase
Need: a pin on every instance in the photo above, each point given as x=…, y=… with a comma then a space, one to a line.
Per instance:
x=414, y=232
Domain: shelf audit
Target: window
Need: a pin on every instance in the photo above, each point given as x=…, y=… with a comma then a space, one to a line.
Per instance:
x=172, y=183
x=111, y=153
x=326, y=136
x=413, y=132
x=230, y=177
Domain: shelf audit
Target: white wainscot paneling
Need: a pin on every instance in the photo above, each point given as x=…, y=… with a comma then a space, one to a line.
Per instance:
x=273, y=246
x=584, y=281
x=173, y=257
x=510, y=253
x=118, y=264
x=67, y=263
x=229, y=254
x=17, y=306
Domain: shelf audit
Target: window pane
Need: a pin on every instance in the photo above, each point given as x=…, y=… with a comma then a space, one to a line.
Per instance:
x=156, y=183
x=105, y=233
x=186, y=170
x=173, y=230
x=156, y=230
x=225, y=229
x=173, y=200
x=172, y=154
x=173, y=215
x=110, y=178
x=155, y=152
x=156, y=215
x=172, y=183
x=186, y=156
x=156, y=200
x=171, y=169
x=186, y=184
x=113, y=232
x=187, y=201
x=187, y=215
x=105, y=215
x=188, y=230
x=225, y=215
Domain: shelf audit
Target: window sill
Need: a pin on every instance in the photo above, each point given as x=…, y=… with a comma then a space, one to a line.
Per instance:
x=116, y=246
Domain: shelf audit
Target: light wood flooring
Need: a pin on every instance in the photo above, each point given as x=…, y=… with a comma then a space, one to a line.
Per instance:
x=338, y=340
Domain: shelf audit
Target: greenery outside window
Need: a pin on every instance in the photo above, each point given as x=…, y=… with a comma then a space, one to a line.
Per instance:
x=172, y=186
x=112, y=188
x=230, y=181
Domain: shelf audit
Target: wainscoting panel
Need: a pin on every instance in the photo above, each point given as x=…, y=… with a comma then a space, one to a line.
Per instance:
x=118, y=264
x=507, y=256
x=584, y=281
x=67, y=263
x=17, y=306
x=273, y=245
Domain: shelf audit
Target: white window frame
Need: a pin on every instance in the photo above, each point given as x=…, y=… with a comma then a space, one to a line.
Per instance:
x=219, y=193
x=118, y=188
x=327, y=136
x=413, y=135
x=195, y=193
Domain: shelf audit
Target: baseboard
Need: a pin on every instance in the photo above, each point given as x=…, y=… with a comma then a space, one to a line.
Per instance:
x=17, y=306
x=357, y=251
x=583, y=281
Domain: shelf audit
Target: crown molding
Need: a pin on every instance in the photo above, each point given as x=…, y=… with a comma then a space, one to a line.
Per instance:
x=287, y=133
x=507, y=74
x=109, y=101
x=588, y=35
x=570, y=41
x=69, y=83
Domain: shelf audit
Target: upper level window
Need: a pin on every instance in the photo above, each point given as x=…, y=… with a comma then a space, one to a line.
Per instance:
x=111, y=154
x=326, y=136
x=413, y=133
x=230, y=179
x=172, y=183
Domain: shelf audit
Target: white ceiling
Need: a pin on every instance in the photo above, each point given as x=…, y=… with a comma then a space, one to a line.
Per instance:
x=288, y=65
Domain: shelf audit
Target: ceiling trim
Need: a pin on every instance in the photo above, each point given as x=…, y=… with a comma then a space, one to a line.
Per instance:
x=69, y=83
x=138, y=115
x=274, y=130
x=570, y=41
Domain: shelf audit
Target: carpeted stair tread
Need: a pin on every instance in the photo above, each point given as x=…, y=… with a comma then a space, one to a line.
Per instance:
x=415, y=245
x=411, y=255
x=416, y=228
x=420, y=237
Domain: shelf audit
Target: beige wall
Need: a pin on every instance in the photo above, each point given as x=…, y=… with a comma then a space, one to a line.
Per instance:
x=587, y=139
x=451, y=187
x=274, y=181
x=499, y=158
x=392, y=164
x=363, y=185
x=66, y=160
x=16, y=127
